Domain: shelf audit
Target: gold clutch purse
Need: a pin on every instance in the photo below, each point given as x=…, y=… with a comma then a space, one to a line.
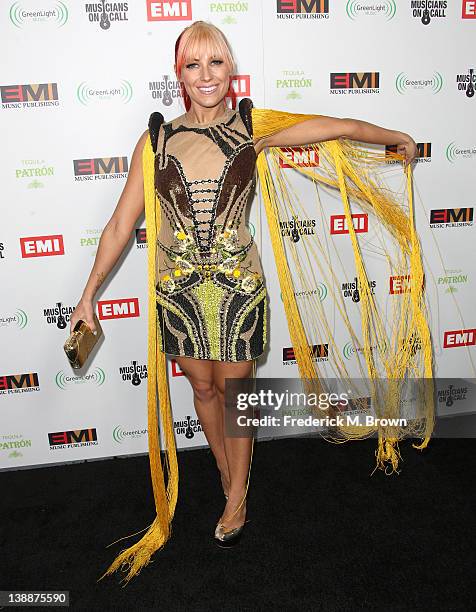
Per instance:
x=81, y=342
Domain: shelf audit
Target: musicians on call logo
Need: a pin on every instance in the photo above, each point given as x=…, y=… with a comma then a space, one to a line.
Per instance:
x=134, y=373
x=296, y=227
x=466, y=81
x=167, y=90
x=354, y=289
x=106, y=13
x=188, y=427
x=58, y=315
x=426, y=10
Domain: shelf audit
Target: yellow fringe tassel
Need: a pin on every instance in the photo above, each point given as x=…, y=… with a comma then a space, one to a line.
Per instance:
x=133, y=559
x=341, y=162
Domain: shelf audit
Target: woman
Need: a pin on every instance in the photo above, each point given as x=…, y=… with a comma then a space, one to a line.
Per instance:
x=211, y=300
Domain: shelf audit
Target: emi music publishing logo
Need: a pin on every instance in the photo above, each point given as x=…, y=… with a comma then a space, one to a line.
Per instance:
x=29, y=95
x=302, y=9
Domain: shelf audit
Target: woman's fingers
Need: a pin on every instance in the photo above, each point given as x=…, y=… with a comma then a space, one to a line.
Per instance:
x=83, y=311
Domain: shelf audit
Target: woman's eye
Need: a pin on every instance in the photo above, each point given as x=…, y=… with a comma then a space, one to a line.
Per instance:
x=193, y=64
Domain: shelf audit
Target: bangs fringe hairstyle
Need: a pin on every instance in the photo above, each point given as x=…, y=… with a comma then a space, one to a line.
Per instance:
x=203, y=36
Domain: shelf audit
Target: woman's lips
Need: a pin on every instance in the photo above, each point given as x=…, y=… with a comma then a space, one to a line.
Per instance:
x=208, y=90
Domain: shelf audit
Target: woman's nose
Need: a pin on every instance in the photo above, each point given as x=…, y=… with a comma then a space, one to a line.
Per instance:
x=205, y=73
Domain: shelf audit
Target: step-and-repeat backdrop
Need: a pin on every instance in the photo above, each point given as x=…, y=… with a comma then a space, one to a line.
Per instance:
x=78, y=83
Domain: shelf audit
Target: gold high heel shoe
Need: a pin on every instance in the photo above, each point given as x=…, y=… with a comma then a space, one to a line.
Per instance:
x=226, y=539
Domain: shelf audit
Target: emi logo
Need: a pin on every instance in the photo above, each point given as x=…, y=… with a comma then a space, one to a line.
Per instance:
x=469, y=9
x=100, y=165
x=304, y=157
x=119, y=309
x=75, y=436
x=241, y=84
x=13, y=382
x=355, y=80
x=141, y=237
x=320, y=352
x=302, y=6
x=459, y=337
x=30, y=92
x=169, y=10
x=42, y=246
x=339, y=225
x=451, y=217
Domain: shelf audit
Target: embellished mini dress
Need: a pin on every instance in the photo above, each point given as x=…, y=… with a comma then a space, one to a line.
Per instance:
x=210, y=293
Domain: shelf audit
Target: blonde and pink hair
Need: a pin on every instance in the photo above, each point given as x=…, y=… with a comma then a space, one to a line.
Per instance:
x=203, y=36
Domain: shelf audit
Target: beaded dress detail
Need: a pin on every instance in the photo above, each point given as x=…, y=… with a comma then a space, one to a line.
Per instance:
x=211, y=299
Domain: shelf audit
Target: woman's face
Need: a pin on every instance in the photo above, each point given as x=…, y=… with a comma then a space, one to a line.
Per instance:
x=206, y=78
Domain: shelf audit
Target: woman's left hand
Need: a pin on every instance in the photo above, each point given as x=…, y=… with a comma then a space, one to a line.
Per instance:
x=408, y=149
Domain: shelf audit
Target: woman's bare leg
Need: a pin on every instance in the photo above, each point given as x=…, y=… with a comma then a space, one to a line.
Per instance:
x=208, y=409
x=238, y=450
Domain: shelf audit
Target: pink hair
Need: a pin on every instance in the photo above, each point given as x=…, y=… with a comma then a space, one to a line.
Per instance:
x=198, y=35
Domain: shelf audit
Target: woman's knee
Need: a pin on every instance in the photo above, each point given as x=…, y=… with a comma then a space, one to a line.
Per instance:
x=203, y=390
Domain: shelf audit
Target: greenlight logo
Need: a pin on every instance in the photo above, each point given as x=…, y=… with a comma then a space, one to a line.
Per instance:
x=320, y=291
x=356, y=9
x=20, y=318
x=454, y=152
x=63, y=381
x=119, y=434
x=57, y=14
x=88, y=94
x=403, y=84
x=348, y=350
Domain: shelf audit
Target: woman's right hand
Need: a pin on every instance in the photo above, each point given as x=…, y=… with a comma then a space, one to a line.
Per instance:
x=84, y=310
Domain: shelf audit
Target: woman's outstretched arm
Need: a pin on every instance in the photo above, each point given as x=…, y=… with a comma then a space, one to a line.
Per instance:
x=115, y=236
x=331, y=128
